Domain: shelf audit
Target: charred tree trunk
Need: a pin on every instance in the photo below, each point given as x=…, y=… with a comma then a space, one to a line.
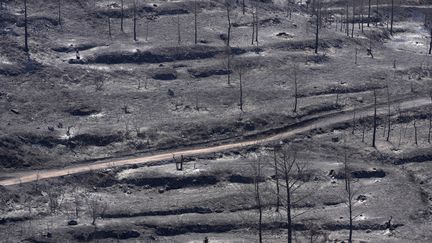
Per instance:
x=277, y=181
x=392, y=17
x=353, y=19
x=109, y=27
x=317, y=32
x=195, y=23
x=241, y=92
x=59, y=13
x=374, y=120
x=256, y=24
x=388, y=114
x=415, y=133
x=26, y=47
x=134, y=22
x=253, y=28
x=369, y=13
x=430, y=43
x=229, y=26
x=178, y=30
x=122, y=16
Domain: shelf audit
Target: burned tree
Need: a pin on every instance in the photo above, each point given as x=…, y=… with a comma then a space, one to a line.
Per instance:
x=428, y=25
x=121, y=15
x=374, y=120
x=317, y=25
x=257, y=178
x=294, y=76
x=59, y=13
x=26, y=47
x=134, y=20
x=292, y=174
x=96, y=208
x=228, y=5
x=195, y=22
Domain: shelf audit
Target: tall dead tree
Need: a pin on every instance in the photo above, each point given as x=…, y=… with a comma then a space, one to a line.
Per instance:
x=121, y=15
x=374, y=119
x=257, y=178
x=391, y=17
x=195, y=22
x=369, y=12
x=353, y=17
x=347, y=17
x=178, y=30
x=428, y=25
x=228, y=6
x=317, y=25
x=256, y=23
x=59, y=13
x=295, y=74
x=276, y=177
x=26, y=47
x=134, y=20
x=291, y=172
x=388, y=112
x=349, y=193
x=109, y=27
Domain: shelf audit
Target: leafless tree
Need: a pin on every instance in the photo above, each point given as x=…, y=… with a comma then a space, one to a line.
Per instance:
x=349, y=193
x=392, y=17
x=292, y=173
x=317, y=25
x=121, y=15
x=59, y=12
x=195, y=22
x=374, y=119
x=26, y=47
x=415, y=132
x=369, y=12
x=96, y=208
x=228, y=6
x=257, y=167
x=134, y=20
x=295, y=69
x=109, y=28
x=388, y=112
x=178, y=30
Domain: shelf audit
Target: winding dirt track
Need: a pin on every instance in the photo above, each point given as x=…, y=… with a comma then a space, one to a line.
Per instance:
x=326, y=121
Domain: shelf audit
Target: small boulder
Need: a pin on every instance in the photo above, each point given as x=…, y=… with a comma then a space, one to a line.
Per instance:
x=72, y=222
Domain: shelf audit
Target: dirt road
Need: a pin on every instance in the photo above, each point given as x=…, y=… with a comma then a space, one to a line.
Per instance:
x=326, y=121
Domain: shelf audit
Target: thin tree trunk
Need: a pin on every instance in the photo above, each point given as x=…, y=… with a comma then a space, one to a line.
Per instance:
x=178, y=30
x=256, y=25
x=392, y=17
x=369, y=13
x=415, y=133
x=122, y=16
x=277, y=181
x=288, y=206
x=59, y=13
x=26, y=48
x=258, y=202
x=346, y=18
x=317, y=33
x=295, y=92
x=388, y=114
x=109, y=27
x=430, y=43
x=229, y=26
x=353, y=19
x=253, y=28
x=134, y=22
x=195, y=22
x=374, y=119
x=241, y=92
